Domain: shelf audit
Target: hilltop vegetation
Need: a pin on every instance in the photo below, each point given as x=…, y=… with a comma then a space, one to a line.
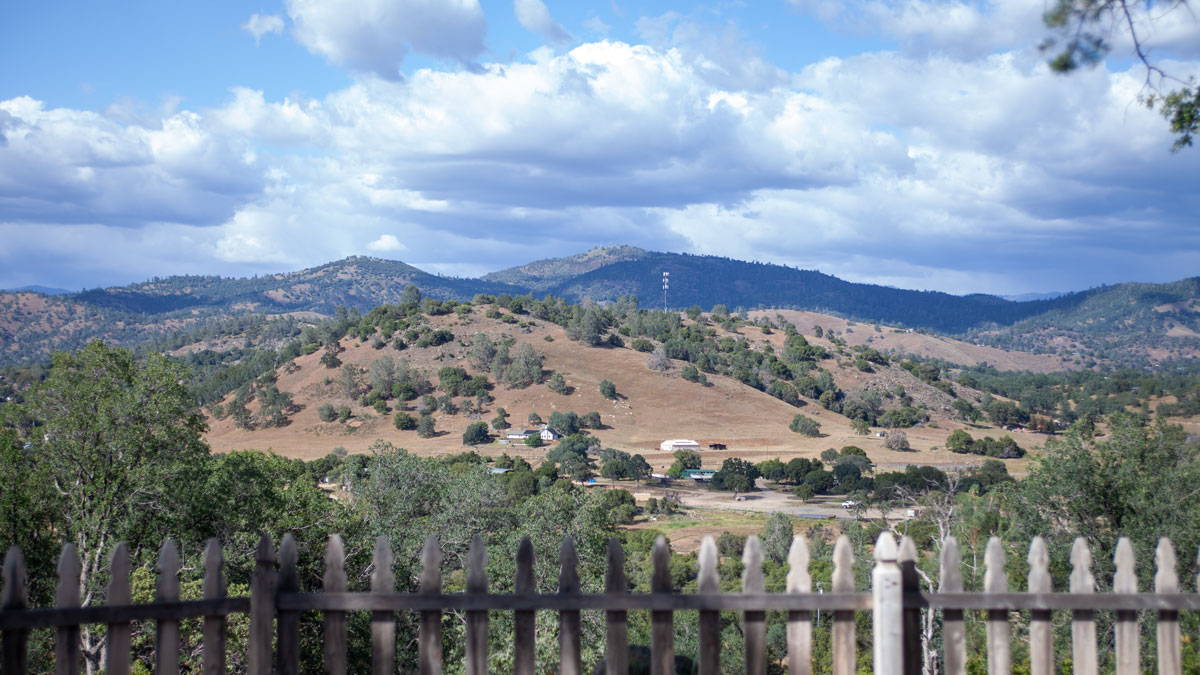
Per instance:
x=1130, y=324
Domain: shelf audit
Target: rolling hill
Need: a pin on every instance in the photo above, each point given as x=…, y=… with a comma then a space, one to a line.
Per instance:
x=1127, y=324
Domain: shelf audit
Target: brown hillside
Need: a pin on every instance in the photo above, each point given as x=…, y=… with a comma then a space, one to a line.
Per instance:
x=654, y=406
x=903, y=341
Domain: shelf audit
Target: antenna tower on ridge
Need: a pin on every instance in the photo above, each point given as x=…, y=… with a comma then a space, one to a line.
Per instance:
x=666, y=287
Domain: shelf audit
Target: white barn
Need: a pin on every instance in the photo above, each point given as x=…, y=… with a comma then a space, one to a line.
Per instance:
x=679, y=444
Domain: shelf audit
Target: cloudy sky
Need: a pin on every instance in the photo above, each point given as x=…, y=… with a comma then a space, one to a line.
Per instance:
x=915, y=143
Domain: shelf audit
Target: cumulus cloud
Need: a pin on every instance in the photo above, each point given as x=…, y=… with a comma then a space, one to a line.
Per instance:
x=921, y=170
x=373, y=36
x=535, y=18
x=71, y=166
x=259, y=25
x=386, y=243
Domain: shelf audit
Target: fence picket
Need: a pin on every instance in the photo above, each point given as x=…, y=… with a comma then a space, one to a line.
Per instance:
x=334, y=581
x=799, y=627
x=262, y=608
x=995, y=580
x=754, y=622
x=1125, y=581
x=1166, y=580
x=888, y=615
x=167, y=630
x=477, y=621
x=570, y=655
x=616, y=648
x=1083, y=621
x=66, y=638
x=662, y=622
x=910, y=582
x=15, y=598
x=213, y=660
x=709, y=581
x=117, y=652
x=843, y=620
x=288, y=644
x=524, y=622
x=954, y=637
x=1041, y=637
x=383, y=624
x=429, y=640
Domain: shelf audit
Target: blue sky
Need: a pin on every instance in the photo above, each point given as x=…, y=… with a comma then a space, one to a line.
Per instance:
x=916, y=143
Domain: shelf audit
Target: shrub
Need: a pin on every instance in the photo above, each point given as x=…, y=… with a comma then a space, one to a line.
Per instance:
x=426, y=427
x=476, y=434
x=806, y=426
x=326, y=412
x=608, y=390
x=404, y=421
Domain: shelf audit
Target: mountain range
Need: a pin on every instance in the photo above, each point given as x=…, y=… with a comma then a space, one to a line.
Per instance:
x=1125, y=323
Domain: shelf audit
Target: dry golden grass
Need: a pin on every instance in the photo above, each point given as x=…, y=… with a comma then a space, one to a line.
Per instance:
x=653, y=407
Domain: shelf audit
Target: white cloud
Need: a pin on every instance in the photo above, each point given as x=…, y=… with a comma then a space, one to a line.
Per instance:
x=923, y=170
x=374, y=36
x=259, y=25
x=59, y=165
x=387, y=243
x=535, y=18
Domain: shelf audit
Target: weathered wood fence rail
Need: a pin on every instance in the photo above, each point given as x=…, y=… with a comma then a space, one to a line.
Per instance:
x=900, y=645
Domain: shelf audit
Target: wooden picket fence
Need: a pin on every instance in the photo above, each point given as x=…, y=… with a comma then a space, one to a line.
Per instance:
x=895, y=600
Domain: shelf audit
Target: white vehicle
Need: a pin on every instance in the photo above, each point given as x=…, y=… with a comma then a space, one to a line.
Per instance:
x=849, y=504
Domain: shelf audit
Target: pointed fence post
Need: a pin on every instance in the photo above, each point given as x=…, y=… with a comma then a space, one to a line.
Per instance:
x=616, y=649
x=334, y=581
x=910, y=582
x=662, y=622
x=66, y=638
x=1083, y=621
x=954, y=636
x=429, y=640
x=995, y=580
x=570, y=656
x=524, y=621
x=888, y=614
x=117, y=651
x=383, y=623
x=262, y=608
x=14, y=657
x=1041, y=636
x=214, y=626
x=1125, y=581
x=288, y=643
x=754, y=622
x=477, y=621
x=167, y=631
x=709, y=620
x=799, y=626
x=1166, y=580
x=843, y=639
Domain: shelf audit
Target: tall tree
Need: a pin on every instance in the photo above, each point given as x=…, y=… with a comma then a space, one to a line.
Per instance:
x=117, y=440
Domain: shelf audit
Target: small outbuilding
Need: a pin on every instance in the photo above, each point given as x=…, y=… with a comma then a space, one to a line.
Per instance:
x=679, y=444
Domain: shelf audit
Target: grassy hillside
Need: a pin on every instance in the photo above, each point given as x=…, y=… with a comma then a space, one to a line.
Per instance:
x=1128, y=324
x=653, y=405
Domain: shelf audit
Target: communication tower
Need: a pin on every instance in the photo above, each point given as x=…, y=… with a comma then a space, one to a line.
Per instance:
x=666, y=287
